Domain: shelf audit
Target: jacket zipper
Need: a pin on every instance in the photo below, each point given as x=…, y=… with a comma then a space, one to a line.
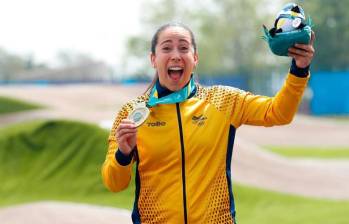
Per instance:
x=183, y=163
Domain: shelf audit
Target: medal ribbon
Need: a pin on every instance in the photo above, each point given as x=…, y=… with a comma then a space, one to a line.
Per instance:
x=175, y=97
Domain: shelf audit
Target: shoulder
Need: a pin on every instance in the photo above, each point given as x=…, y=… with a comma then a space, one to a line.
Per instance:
x=218, y=91
x=222, y=97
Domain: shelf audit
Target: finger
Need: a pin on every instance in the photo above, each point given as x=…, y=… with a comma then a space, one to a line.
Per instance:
x=129, y=135
x=120, y=132
x=308, y=49
x=125, y=131
x=124, y=134
x=293, y=55
x=305, y=47
x=299, y=52
x=127, y=121
x=126, y=125
x=125, y=137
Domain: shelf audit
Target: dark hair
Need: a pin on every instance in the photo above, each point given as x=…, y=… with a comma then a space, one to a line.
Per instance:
x=154, y=42
x=155, y=38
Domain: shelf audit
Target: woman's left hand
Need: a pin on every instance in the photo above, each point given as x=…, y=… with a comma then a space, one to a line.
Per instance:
x=303, y=53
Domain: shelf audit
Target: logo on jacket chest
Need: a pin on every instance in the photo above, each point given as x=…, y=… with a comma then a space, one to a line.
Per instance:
x=199, y=120
x=156, y=124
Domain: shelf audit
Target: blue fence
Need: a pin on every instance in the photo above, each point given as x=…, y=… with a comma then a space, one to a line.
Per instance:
x=330, y=93
x=236, y=81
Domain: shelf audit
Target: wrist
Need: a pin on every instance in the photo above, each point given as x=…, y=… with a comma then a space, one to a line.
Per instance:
x=122, y=158
x=125, y=152
x=297, y=71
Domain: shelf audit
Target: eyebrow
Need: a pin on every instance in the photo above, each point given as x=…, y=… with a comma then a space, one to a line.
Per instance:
x=170, y=41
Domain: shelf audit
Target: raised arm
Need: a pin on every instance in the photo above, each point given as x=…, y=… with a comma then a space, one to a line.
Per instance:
x=280, y=109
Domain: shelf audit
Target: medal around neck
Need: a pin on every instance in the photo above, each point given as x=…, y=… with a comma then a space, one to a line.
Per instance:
x=139, y=114
x=175, y=97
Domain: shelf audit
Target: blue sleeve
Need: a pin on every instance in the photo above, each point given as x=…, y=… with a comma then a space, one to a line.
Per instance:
x=299, y=72
x=123, y=159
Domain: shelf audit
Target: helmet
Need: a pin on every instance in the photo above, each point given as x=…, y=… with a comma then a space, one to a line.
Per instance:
x=290, y=27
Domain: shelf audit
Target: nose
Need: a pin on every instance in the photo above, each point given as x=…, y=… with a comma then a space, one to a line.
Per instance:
x=175, y=56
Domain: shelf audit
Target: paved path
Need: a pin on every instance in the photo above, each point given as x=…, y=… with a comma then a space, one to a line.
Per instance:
x=303, y=131
x=253, y=166
x=91, y=103
x=49, y=212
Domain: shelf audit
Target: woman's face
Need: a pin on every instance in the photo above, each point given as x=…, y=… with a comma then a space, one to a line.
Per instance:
x=174, y=58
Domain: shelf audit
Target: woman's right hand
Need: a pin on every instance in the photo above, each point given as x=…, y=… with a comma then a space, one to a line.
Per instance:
x=126, y=135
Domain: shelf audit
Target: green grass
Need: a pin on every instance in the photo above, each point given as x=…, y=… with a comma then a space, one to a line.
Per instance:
x=311, y=152
x=340, y=118
x=58, y=160
x=262, y=207
x=61, y=160
x=9, y=105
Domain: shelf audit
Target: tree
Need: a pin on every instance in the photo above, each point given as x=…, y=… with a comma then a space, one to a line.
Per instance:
x=331, y=22
x=157, y=13
x=230, y=37
x=10, y=64
x=228, y=33
x=70, y=58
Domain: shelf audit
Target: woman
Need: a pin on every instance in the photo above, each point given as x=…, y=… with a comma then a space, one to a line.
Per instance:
x=183, y=149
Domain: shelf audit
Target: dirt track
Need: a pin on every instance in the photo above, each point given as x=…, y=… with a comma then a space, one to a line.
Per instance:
x=251, y=165
x=63, y=213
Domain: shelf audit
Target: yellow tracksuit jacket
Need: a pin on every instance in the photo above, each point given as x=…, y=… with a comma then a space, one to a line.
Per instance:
x=184, y=150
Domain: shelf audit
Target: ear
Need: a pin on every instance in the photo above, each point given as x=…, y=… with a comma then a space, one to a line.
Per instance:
x=152, y=59
x=196, y=59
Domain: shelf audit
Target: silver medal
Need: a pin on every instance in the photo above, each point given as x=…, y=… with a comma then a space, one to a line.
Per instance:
x=139, y=114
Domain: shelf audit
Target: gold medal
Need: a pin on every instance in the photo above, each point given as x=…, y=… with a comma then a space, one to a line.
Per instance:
x=139, y=114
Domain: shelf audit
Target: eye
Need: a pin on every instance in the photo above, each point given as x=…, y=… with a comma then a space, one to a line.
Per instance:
x=184, y=48
x=166, y=48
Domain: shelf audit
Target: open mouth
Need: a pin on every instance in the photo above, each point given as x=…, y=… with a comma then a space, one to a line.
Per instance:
x=175, y=73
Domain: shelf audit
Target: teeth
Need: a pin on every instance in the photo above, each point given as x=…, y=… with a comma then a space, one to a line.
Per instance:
x=175, y=68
